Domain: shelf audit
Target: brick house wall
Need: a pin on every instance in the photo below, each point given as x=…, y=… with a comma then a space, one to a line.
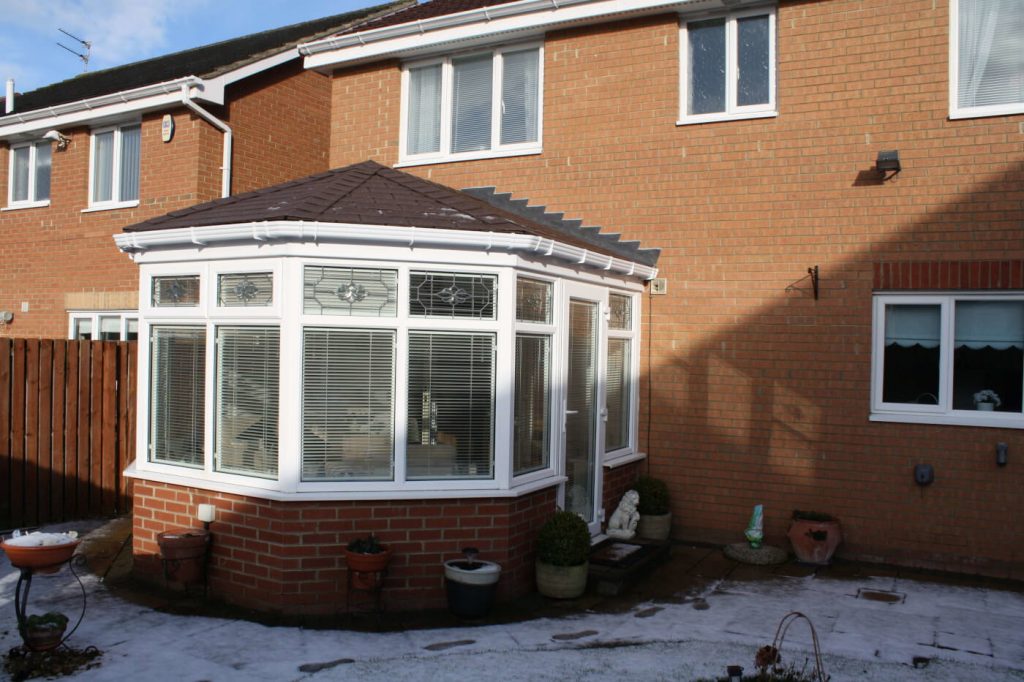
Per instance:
x=762, y=392
x=287, y=556
x=58, y=258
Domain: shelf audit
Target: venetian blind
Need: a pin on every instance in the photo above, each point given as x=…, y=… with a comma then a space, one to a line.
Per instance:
x=20, y=173
x=131, y=140
x=424, y=110
x=532, y=404
x=248, y=360
x=103, y=166
x=519, y=96
x=471, y=103
x=451, y=405
x=177, y=403
x=617, y=398
x=991, y=59
x=348, y=389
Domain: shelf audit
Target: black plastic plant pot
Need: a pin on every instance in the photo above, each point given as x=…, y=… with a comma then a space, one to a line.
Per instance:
x=471, y=586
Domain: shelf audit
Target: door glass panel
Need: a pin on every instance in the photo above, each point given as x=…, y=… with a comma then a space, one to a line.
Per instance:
x=580, y=418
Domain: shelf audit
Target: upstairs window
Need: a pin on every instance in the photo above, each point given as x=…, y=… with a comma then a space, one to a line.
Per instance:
x=728, y=67
x=29, y=175
x=472, y=106
x=987, y=60
x=114, y=166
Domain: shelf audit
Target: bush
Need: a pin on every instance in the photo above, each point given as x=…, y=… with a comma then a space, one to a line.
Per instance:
x=653, y=496
x=564, y=540
x=367, y=545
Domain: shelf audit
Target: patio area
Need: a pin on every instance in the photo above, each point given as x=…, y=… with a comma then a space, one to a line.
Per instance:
x=692, y=616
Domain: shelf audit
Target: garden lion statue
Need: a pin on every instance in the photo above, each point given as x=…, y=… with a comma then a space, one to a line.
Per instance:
x=622, y=525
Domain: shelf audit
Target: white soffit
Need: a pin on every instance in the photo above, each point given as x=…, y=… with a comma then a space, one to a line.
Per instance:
x=386, y=235
x=486, y=25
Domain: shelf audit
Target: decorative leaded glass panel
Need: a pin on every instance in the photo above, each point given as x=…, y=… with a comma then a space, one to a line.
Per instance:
x=621, y=308
x=245, y=289
x=533, y=300
x=362, y=292
x=176, y=292
x=446, y=294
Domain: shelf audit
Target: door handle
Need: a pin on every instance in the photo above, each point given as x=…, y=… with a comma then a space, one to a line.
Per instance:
x=572, y=411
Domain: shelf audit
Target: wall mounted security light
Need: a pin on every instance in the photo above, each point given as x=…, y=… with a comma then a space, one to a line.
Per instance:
x=888, y=162
x=58, y=137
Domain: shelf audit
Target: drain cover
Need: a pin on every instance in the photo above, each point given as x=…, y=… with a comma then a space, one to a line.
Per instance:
x=881, y=595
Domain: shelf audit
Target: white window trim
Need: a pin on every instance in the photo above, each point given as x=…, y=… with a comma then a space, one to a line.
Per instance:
x=13, y=205
x=497, y=149
x=732, y=112
x=943, y=413
x=955, y=111
x=94, y=317
x=619, y=456
x=115, y=181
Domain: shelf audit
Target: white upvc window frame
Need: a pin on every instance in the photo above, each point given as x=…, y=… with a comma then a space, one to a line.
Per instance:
x=31, y=201
x=497, y=150
x=618, y=456
x=943, y=412
x=732, y=111
x=115, y=181
x=955, y=110
x=93, y=316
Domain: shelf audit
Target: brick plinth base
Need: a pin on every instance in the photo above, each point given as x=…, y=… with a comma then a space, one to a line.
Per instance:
x=287, y=556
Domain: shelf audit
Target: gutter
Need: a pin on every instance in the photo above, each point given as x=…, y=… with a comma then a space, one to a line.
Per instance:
x=225, y=168
x=380, y=235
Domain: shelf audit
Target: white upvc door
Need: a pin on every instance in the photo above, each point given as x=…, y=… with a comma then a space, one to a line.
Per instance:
x=583, y=321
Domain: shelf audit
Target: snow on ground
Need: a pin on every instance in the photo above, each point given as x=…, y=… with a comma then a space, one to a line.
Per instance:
x=967, y=633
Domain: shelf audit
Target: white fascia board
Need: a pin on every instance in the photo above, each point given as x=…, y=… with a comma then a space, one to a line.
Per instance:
x=109, y=106
x=254, y=68
x=409, y=237
x=484, y=25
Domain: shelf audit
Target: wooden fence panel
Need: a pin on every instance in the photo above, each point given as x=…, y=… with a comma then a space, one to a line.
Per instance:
x=67, y=429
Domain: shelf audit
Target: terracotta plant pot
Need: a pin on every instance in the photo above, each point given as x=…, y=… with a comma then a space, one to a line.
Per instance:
x=367, y=569
x=184, y=554
x=562, y=582
x=814, y=542
x=655, y=527
x=45, y=559
x=43, y=639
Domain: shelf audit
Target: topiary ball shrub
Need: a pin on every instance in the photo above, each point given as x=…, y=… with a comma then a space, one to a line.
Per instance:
x=564, y=540
x=653, y=496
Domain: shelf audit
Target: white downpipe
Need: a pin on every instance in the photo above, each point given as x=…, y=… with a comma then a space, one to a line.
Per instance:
x=225, y=182
x=9, y=96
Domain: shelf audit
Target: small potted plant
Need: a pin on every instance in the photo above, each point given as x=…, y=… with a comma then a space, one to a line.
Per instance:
x=563, y=550
x=986, y=400
x=367, y=559
x=655, y=514
x=814, y=536
x=44, y=632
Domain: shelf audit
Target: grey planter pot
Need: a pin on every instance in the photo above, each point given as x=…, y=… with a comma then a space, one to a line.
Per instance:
x=561, y=582
x=655, y=527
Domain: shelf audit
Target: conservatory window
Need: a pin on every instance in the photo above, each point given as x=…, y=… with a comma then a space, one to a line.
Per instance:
x=533, y=300
x=248, y=360
x=950, y=356
x=986, y=57
x=177, y=407
x=348, y=390
x=356, y=292
x=532, y=416
x=175, y=291
x=451, y=295
x=243, y=290
x=450, y=405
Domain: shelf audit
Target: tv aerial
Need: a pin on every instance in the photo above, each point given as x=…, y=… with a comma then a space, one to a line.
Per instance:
x=88, y=49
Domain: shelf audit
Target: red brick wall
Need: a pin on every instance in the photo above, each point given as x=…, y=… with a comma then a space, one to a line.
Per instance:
x=762, y=392
x=287, y=556
x=281, y=123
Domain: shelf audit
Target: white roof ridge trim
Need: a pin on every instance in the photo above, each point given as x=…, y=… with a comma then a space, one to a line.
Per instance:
x=319, y=232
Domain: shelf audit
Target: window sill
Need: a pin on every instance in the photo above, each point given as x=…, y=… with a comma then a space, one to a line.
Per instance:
x=198, y=479
x=111, y=206
x=718, y=118
x=989, y=420
x=468, y=156
x=624, y=460
x=26, y=204
x=983, y=112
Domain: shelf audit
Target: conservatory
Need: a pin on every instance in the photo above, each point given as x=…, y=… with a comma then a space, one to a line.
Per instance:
x=368, y=341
